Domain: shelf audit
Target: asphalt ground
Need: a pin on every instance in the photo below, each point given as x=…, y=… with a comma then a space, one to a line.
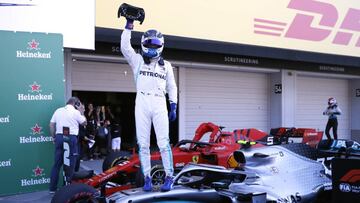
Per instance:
x=44, y=196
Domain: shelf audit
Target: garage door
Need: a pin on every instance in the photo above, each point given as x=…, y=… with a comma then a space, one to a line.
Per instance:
x=227, y=98
x=100, y=76
x=312, y=95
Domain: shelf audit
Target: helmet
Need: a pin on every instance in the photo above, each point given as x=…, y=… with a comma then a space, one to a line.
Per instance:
x=152, y=43
x=332, y=101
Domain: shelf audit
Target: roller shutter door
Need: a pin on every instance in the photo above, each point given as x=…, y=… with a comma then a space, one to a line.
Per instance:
x=227, y=98
x=100, y=76
x=312, y=95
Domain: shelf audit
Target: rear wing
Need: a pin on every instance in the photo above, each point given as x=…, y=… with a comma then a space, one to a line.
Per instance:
x=281, y=135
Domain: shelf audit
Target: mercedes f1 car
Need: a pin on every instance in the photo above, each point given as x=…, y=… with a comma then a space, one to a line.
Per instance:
x=284, y=173
x=288, y=173
x=121, y=170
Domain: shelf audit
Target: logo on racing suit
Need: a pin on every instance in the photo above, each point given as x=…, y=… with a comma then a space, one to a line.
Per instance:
x=152, y=74
x=305, y=25
x=5, y=119
x=37, y=178
x=349, y=181
x=33, y=51
x=6, y=163
x=35, y=94
x=36, y=136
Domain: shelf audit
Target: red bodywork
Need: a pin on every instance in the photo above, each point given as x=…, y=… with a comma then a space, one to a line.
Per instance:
x=217, y=151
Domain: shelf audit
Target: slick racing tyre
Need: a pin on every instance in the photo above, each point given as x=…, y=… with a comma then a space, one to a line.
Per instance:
x=157, y=174
x=114, y=158
x=76, y=193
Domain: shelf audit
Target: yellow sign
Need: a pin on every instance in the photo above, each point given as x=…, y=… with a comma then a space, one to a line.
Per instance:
x=325, y=26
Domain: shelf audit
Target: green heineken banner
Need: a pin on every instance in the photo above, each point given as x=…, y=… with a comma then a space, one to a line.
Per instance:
x=32, y=87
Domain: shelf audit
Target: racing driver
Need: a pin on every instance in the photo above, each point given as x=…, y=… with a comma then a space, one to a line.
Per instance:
x=154, y=78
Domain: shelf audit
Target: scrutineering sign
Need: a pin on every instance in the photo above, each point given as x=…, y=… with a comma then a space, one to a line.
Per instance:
x=32, y=87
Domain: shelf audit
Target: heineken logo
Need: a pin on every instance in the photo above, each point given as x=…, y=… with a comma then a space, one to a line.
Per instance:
x=37, y=178
x=34, y=87
x=5, y=119
x=33, y=45
x=6, y=163
x=36, y=136
x=33, y=51
x=34, y=93
x=36, y=130
x=38, y=171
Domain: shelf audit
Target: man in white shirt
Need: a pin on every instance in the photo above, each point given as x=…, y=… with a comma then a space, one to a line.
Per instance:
x=64, y=125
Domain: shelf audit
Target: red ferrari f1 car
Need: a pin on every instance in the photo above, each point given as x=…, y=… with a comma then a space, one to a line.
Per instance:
x=121, y=169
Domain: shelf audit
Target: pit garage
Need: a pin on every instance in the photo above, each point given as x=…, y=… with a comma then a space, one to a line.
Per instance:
x=110, y=81
x=312, y=95
x=234, y=99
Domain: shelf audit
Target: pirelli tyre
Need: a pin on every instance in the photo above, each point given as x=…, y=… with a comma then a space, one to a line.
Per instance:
x=157, y=174
x=76, y=193
x=114, y=158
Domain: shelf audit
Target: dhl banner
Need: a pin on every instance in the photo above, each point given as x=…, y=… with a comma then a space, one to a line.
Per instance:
x=324, y=26
x=32, y=81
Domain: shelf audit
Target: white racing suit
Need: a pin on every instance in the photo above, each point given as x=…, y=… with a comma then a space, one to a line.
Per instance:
x=152, y=81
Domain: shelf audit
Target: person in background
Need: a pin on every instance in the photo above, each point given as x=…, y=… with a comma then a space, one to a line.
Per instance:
x=81, y=140
x=108, y=114
x=64, y=125
x=99, y=116
x=90, y=113
x=332, y=110
x=88, y=150
x=116, y=136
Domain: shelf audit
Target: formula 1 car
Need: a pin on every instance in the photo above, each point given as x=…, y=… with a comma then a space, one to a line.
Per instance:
x=279, y=173
x=121, y=170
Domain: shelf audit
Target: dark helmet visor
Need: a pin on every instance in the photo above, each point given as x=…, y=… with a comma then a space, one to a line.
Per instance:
x=152, y=43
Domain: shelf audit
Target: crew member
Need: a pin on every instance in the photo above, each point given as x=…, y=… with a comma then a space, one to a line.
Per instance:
x=154, y=78
x=64, y=127
x=332, y=111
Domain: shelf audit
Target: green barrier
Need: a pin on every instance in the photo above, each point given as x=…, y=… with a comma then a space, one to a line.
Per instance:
x=32, y=87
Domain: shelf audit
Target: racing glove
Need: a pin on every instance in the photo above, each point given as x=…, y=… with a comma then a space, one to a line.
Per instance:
x=172, y=113
x=129, y=24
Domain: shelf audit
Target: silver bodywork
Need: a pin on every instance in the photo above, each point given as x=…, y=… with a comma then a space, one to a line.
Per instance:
x=272, y=173
x=283, y=175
